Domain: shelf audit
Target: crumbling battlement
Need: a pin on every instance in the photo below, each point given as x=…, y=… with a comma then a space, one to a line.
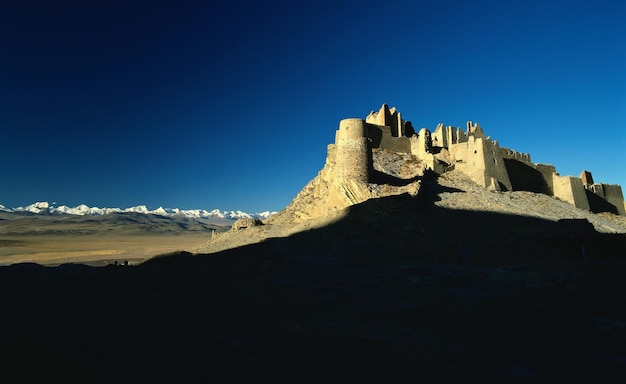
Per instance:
x=514, y=155
x=391, y=118
x=470, y=151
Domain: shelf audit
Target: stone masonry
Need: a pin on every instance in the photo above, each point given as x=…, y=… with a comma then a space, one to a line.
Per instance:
x=471, y=151
x=383, y=155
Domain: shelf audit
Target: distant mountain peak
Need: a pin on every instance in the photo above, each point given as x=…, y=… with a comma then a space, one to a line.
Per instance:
x=46, y=208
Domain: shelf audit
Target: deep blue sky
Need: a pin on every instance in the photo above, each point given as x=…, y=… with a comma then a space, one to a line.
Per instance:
x=230, y=105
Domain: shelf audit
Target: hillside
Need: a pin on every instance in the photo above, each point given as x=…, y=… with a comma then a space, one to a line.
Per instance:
x=403, y=192
x=430, y=210
x=401, y=288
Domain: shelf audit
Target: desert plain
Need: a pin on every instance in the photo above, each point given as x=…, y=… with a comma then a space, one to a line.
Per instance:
x=128, y=238
x=94, y=250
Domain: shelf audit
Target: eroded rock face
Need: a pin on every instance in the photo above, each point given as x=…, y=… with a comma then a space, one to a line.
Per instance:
x=327, y=196
x=244, y=223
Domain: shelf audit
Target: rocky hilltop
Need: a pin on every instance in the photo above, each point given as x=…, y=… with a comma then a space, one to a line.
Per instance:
x=435, y=177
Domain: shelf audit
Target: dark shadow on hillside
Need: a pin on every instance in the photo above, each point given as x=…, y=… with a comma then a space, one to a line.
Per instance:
x=430, y=189
x=397, y=291
x=413, y=229
x=378, y=177
x=405, y=229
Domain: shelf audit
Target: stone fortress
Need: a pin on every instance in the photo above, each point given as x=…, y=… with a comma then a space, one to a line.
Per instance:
x=354, y=164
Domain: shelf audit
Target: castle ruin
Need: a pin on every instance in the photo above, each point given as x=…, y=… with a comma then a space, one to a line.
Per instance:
x=383, y=155
x=471, y=151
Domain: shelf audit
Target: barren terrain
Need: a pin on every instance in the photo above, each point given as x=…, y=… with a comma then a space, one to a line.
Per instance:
x=94, y=250
x=431, y=217
x=456, y=284
x=96, y=240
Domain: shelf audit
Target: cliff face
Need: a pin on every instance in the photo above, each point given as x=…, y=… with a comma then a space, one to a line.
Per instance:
x=392, y=173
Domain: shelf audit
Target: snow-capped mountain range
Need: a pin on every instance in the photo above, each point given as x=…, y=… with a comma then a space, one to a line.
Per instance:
x=43, y=207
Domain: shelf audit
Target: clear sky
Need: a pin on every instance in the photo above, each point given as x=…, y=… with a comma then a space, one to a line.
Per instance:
x=231, y=104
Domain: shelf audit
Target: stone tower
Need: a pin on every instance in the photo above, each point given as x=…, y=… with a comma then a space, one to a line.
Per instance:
x=353, y=152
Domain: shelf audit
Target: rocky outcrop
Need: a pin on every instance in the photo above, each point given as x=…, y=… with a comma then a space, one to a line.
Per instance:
x=246, y=222
x=392, y=173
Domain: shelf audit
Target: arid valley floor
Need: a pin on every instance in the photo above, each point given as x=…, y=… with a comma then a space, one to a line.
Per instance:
x=456, y=285
x=96, y=240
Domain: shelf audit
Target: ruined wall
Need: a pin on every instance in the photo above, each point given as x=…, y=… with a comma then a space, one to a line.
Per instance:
x=495, y=167
x=547, y=172
x=587, y=178
x=470, y=160
x=445, y=136
x=396, y=144
x=388, y=131
x=473, y=129
x=352, y=151
x=571, y=190
x=387, y=118
x=512, y=154
x=391, y=118
x=480, y=159
x=526, y=176
x=421, y=144
x=597, y=202
x=442, y=136
x=420, y=147
x=612, y=194
x=471, y=152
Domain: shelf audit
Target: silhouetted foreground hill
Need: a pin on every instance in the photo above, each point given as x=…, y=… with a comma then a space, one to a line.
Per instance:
x=397, y=290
